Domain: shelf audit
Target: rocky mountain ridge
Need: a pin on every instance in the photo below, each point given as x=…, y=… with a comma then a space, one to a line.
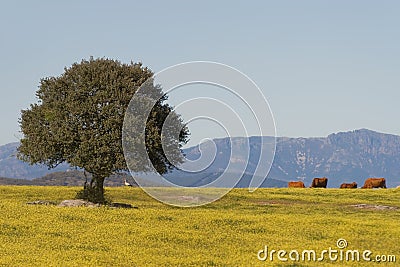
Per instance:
x=342, y=157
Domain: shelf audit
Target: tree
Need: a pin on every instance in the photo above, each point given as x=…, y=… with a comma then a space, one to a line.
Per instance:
x=79, y=120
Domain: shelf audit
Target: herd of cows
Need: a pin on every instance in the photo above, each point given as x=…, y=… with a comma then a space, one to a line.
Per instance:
x=322, y=182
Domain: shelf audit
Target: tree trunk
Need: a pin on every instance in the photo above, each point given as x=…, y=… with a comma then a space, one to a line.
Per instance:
x=98, y=186
x=94, y=191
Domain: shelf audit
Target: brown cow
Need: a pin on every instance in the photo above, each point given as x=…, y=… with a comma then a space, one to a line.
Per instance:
x=374, y=183
x=352, y=185
x=319, y=182
x=298, y=184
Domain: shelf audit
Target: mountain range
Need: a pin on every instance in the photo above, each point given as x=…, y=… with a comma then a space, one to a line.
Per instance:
x=342, y=157
x=12, y=167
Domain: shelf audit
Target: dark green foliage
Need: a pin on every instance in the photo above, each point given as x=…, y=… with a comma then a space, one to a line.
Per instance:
x=79, y=119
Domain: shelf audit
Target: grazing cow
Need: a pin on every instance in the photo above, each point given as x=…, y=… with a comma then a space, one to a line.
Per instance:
x=352, y=185
x=298, y=184
x=319, y=182
x=375, y=183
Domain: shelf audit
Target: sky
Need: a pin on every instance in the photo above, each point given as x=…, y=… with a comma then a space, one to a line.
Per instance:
x=323, y=66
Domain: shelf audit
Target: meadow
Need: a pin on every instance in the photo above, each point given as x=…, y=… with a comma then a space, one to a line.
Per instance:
x=228, y=232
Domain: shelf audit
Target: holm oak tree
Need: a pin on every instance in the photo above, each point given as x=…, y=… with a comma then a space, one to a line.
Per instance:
x=79, y=119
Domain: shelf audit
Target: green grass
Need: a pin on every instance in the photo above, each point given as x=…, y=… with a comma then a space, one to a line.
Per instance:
x=228, y=232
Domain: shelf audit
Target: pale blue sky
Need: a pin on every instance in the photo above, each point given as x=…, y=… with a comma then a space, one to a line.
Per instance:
x=324, y=66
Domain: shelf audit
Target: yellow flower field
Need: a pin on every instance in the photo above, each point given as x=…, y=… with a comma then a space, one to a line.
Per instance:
x=228, y=232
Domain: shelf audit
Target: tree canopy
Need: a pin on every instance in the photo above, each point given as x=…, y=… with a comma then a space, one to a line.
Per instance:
x=79, y=119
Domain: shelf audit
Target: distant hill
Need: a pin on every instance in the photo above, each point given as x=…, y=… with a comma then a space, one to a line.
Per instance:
x=342, y=157
x=67, y=178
